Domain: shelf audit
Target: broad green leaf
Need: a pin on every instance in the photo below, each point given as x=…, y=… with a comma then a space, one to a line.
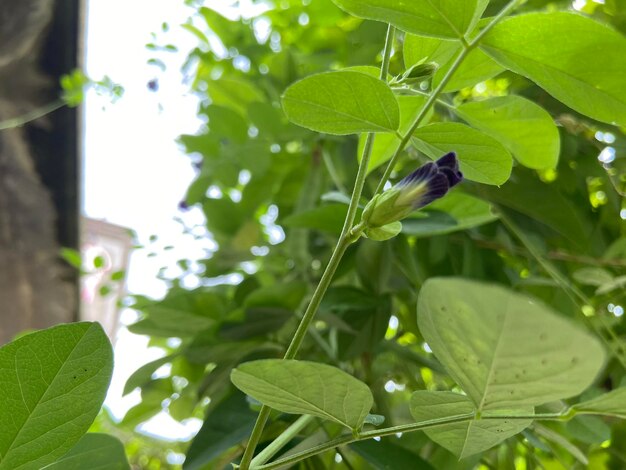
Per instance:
x=225, y=425
x=342, y=103
x=524, y=128
x=610, y=404
x=52, y=384
x=482, y=158
x=504, y=349
x=94, y=451
x=385, y=145
x=143, y=375
x=182, y=313
x=303, y=387
x=438, y=18
x=385, y=455
x=457, y=211
x=475, y=68
x=469, y=437
x=576, y=59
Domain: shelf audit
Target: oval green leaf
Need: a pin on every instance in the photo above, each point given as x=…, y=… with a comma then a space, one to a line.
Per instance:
x=576, y=59
x=438, y=18
x=482, y=158
x=52, y=385
x=342, y=103
x=94, y=451
x=523, y=127
x=467, y=437
x=303, y=387
x=504, y=349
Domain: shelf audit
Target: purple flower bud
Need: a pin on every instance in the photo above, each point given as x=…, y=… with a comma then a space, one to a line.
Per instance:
x=429, y=182
x=426, y=184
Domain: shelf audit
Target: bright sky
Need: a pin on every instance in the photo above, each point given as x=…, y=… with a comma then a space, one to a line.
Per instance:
x=134, y=172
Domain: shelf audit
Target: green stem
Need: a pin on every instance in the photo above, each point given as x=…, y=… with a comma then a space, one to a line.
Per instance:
x=347, y=237
x=398, y=429
x=31, y=115
x=282, y=440
x=433, y=97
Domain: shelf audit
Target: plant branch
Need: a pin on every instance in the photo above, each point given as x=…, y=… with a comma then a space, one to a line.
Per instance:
x=433, y=97
x=431, y=423
x=282, y=440
x=347, y=237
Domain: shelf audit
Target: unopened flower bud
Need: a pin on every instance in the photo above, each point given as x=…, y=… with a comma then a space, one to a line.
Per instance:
x=426, y=184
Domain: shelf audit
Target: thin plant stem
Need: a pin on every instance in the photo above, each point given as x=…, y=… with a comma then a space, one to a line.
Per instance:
x=433, y=97
x=31, y=115
x=342, y=440
x=282, y=440
x=348, y=236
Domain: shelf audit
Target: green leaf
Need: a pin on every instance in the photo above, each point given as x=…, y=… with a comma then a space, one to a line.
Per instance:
x=468, y=437
x=482, y=158
x=303, y=387
x=52, y=384
x=576, y=59
x=143, y=375
x=524, y=128
x=182, y=313
x=385, y=232
x=234, y=93
x=610, y=404
x=438, y=18
x=504, y=349
x=93, y=451
x=384, y=455
x=225, y=425
x=385, y=145
x=475, y=68
x=342, y=103
x=457, y=211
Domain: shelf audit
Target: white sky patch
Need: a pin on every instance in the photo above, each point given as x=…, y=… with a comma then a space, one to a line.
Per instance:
x=134, y=172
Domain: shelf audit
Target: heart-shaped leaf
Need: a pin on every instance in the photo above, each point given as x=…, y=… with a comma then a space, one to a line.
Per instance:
x=303, y=387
